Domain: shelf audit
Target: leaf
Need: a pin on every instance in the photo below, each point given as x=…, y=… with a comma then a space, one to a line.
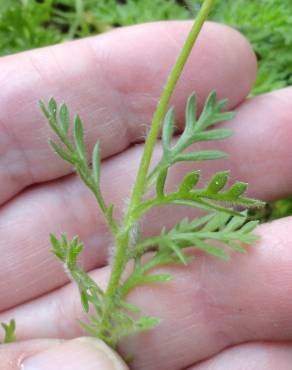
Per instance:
x=64, y=118
x=218, y=182
x=75, y=249
x=195, y=223
x=96, y=162
x=57, y=248
x=178, y=253
x=214, y=134
x=129, y=306
x=9, y=330
x=209, y=249
x=61, y=153
x=217, y=221
x=201, y=156
x=212, y=114
x=191, y=112
x=84, y=300
x=79, y=137
x=111, y=316
x=236, y=246
x=169, y=246
x=222, y=117
x=110, y=211
x=156, y=278
x=237, y=189
x=236, y=223
x=146, y=323
x=207, y=111
x=52, y=105
x=203, y=204
x=168, y=129
x=189, y=181
x=44, y=109
x=250, y=226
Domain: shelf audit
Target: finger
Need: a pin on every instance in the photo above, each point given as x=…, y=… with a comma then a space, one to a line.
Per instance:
x=252, y=356
x=113, y=87
x=81, y=353
x=12, y=355
x=258, y=154
x=209, y=306
x=260, y=150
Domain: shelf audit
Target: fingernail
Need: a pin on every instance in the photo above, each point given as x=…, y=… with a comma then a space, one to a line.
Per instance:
x=82, y=353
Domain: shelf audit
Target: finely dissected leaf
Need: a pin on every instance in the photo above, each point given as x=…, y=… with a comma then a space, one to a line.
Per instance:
x=223, y=228
x=198, y=233
x=196, y=130
x=74, y=151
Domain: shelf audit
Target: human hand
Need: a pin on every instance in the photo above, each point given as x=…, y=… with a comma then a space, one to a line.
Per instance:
x=215, y=315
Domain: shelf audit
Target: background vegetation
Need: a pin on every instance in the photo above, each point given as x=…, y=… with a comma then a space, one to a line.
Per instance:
x=27, y=24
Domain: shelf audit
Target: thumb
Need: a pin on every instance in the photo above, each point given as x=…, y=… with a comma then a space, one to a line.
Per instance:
x=81, y=353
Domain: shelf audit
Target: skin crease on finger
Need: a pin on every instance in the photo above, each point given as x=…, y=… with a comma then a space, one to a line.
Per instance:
x=222, y=56
x=209, y=306
x=112, y=86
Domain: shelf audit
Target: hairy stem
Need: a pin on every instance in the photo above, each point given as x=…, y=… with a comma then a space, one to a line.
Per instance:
x=162, y=106
x=123, y=237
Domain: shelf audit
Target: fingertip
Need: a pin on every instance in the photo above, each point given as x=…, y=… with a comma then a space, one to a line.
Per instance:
x=82, y=353
x=238, y=60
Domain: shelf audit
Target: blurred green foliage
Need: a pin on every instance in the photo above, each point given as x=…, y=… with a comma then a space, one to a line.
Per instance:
x=27, y=24
x=267, y=24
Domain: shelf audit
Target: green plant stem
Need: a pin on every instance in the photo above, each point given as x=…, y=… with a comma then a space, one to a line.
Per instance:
x=123, y=237
x=162, y=107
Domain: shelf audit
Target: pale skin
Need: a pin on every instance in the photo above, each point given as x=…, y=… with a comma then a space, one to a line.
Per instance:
x=215, y=314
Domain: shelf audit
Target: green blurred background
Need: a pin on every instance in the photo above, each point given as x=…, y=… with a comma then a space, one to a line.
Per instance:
x=27, y=24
